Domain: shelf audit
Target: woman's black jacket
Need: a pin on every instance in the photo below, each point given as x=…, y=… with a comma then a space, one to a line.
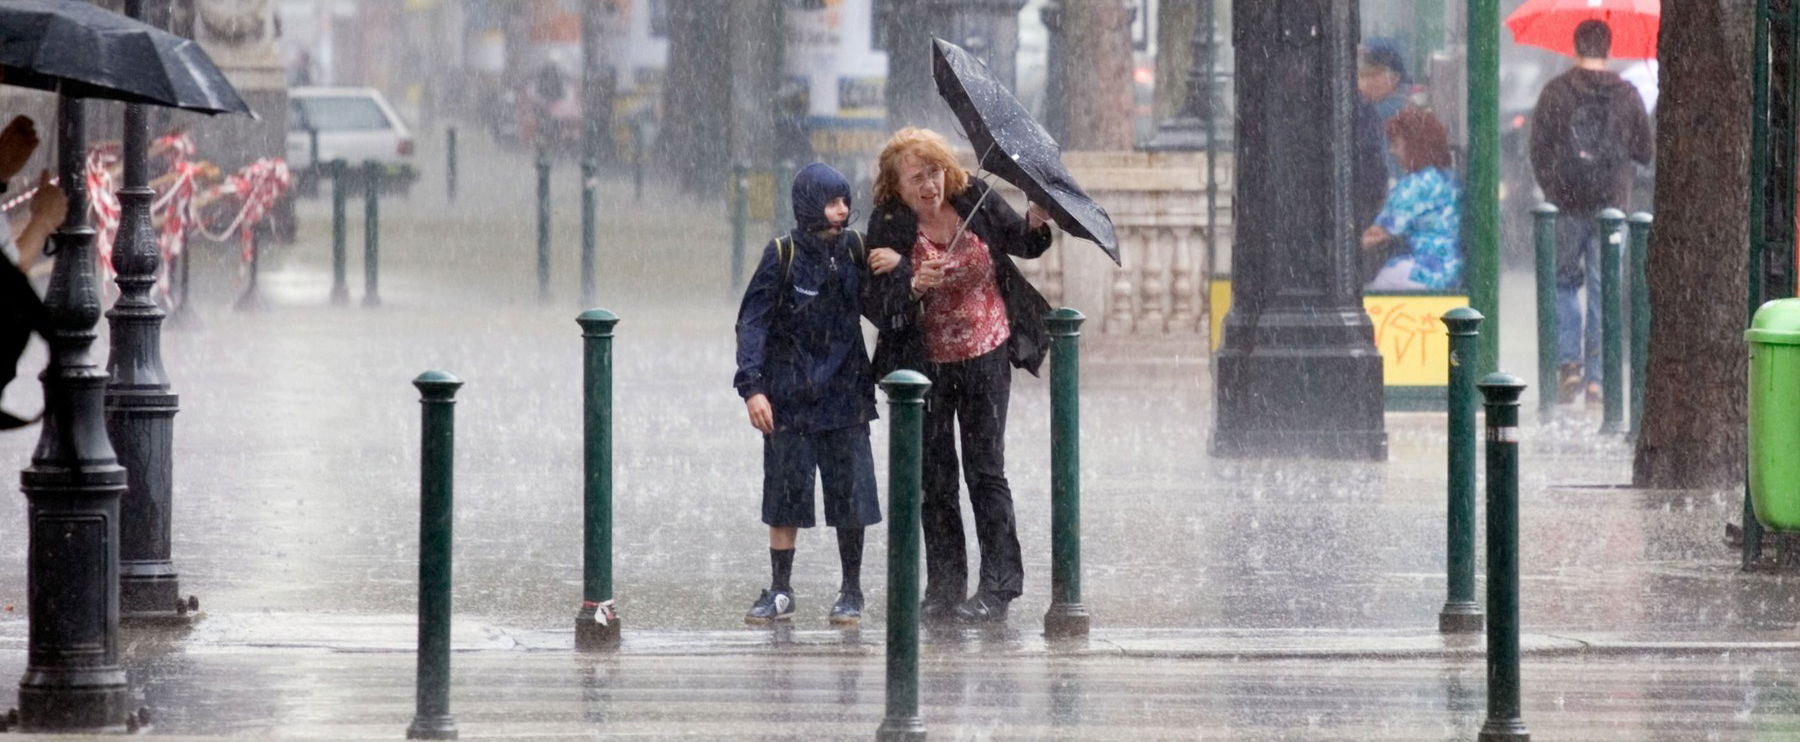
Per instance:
x=900, y=339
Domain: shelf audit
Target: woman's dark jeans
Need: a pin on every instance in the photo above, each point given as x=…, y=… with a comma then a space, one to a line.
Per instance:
x=972, y=394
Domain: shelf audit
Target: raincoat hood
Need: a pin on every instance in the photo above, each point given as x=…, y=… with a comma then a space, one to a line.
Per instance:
x=814, y=186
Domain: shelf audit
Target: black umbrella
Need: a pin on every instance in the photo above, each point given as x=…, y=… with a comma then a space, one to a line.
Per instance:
x=1014, y=146
x=83, y=51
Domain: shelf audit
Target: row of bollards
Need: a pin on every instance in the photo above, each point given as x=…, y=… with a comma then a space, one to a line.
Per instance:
x=597, y=621
x=341, y=177
x=1500, y=393
x=1619, y=284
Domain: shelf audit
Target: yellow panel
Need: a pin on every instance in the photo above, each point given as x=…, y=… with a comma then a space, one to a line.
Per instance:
x=1414, y=347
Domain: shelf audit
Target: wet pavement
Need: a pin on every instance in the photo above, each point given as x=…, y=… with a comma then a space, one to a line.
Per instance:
x=1231, y=599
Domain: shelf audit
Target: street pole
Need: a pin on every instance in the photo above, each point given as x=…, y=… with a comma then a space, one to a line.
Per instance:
x=1461, y=614
x=450, y=163
x=740, y=218
x=543, y=221
x=1482, y=214
x=597, y=623
x=1751, y=547
x=1504, y=722
x=1543, y=222
x=1640, y=315
x=73, y=680
x=906, y=423
x=340, y=226
x=1190, y=128
x=590, y=145
x=1612, y=328
x=140, y=406
x=437, y=463
x=1067, y=618
x=371, y=233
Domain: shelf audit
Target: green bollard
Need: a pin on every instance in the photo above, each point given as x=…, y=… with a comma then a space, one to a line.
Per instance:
x=740, y=218
x=340, y=286
x=371, y=233
x=450, y=163
x=1067, y=617
x=437, y=460
x=1612, y=325
x=906, y=424
x=1504, y=723
x=1640, y=315
x=1544, y=230
x=543, y=223
x=1461, y=614
x=590, y=202
x=597, y=623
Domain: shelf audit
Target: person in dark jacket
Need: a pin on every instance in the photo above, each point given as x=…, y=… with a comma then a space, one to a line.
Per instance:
x=1588, y=129
x=956, y=308
x=803, y=371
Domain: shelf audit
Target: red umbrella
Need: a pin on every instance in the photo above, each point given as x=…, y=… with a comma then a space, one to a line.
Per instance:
x=1550, y=24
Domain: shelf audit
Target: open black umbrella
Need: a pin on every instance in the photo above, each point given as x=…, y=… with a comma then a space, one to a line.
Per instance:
x=84, y=51
x=1014, y=146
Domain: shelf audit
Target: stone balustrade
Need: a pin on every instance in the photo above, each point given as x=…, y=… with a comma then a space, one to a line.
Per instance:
x=1158, y=205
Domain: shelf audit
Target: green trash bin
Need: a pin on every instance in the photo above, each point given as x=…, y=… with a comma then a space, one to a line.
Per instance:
x=1774, y=338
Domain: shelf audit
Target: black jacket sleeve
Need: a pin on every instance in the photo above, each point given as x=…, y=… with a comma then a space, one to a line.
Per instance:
x=1012, y=233
x=753, y=324
x=887, y=301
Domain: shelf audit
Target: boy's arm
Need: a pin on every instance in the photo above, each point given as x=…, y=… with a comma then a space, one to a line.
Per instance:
x=753, y=324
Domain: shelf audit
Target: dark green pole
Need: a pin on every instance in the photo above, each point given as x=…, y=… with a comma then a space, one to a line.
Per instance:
x=437, y=461
x=371, y=233
x=340, y=226
x=597, y=623
x=1543, y=220
x=450, y=162
x=1461, y=614
x=1759, y=183
x=1612, y=325
x=543, y=222
x=1640, y=315
x=1483, y=184
x=906, y=424
x=1068, y=617
x=1504, y=722
x=740, y=217
x=590, y=202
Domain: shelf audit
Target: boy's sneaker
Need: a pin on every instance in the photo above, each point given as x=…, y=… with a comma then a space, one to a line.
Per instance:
x=849, y=608
x=772, y=605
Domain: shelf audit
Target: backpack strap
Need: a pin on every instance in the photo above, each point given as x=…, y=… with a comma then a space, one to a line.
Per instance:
x=859, y=252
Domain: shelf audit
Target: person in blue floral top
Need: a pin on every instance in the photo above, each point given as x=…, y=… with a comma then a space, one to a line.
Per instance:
x=1417, y=227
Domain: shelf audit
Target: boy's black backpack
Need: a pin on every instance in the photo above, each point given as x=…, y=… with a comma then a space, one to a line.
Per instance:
x=784, y=254
x=1594, y=153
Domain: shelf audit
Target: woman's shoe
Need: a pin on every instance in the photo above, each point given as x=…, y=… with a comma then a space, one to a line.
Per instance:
x=982, y=608
x=1568, y=383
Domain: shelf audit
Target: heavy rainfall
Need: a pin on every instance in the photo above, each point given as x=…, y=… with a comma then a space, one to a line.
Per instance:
x=979, y=369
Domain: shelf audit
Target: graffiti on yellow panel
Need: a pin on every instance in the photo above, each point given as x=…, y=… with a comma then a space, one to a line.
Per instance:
x=1415, y=350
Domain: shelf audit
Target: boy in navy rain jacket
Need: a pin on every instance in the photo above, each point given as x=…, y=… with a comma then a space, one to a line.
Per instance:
x=803, y=371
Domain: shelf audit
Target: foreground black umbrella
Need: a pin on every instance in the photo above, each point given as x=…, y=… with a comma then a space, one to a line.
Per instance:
x=84, y=51
x=1014, y=146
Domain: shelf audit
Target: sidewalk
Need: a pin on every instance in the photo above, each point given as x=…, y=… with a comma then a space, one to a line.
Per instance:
x=1232, y=599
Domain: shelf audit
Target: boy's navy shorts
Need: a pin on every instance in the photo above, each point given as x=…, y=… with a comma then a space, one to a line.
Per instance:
x=845, y=465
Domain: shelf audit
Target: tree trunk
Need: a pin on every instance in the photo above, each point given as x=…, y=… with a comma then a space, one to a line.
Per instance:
x=1694, y=407
x=694, y=144
x=1096, y=69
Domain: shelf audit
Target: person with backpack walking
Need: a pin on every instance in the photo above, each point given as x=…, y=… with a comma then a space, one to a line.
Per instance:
x=1588, y=129
x=803, y=372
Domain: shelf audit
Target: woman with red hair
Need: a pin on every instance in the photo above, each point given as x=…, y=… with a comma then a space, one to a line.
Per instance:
x=952, y=305
x=1417, y=226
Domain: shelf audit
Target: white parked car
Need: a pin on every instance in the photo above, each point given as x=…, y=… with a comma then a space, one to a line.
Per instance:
x=353, y=124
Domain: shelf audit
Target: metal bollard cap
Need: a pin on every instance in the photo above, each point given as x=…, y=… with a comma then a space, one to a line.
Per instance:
x=1462, y=320
x=1642, y=217
x=1501, y=387
x=1065, y=321
x=1545, y=209
x=1611, y=214
x=597, y=322
x=438, y=385
x=905, y=386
